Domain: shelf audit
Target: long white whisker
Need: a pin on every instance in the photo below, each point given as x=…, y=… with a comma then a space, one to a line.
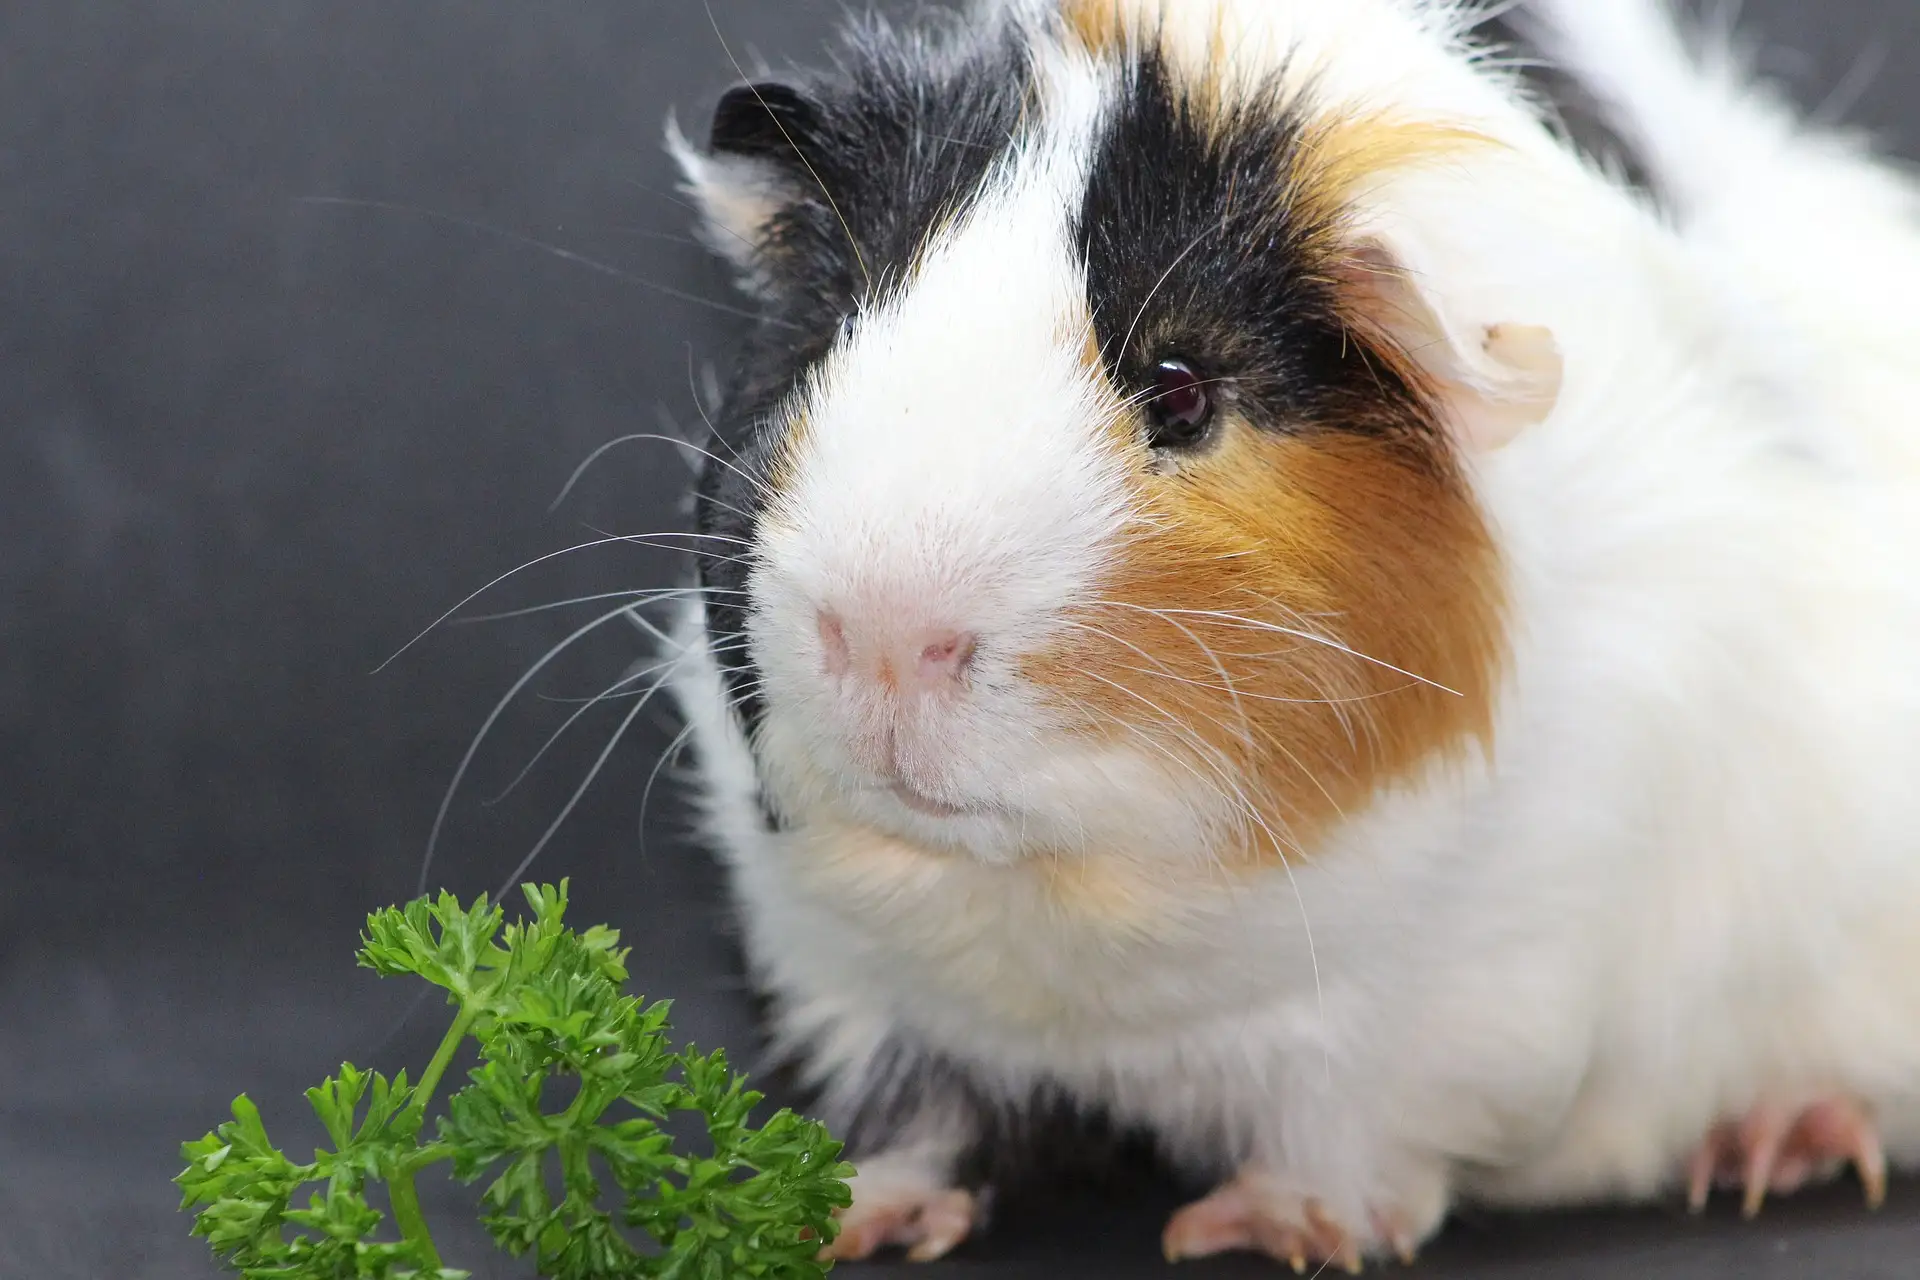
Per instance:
x=475, y=595
x=759, y=486
x=646, y=796
x=647, y=539
x=612, y=690
x=586, y=464
x=554, y=250
x=619, y=694
x=573, y=800
x=1166, y=672
x=639, y=597
x=1269, y=697
x=1232, y=691
x=1255, y=624
x=473, y=748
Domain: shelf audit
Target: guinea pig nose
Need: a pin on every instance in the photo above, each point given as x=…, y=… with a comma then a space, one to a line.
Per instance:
x=897, y=658
x=943, y=656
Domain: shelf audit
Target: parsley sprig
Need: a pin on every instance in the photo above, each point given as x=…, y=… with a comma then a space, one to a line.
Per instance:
x=543, y=1002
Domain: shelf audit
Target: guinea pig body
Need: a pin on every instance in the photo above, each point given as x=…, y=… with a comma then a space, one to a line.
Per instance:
x=1264, y=597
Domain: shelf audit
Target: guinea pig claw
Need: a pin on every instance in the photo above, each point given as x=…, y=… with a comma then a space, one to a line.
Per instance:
x=1871, y=1164
x=929, y=1224
x=1253, y=1214
x=1398, y=1239
x=1776, y=1150
x=1334, y=1242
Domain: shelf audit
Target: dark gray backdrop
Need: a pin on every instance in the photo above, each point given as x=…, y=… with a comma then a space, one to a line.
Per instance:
x=251, y=443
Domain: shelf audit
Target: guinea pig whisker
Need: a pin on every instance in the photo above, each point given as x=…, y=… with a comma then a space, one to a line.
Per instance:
x=671, y=750
x=700, y=406
x=586, y=464
x=493, y=717
x=759, y=486
x=611, y=691
x=638, y=597
x=648, y=539
x=738, y=701
x=1328, y=701
x=573, y=801
x=745, y=515
x=1234, y=619
x=553, y=250
x=1284, y=750
x=1232, y=691
x=653, y=542
x=1167, y=717
x=475, y=595
x=727, y=643
x=1164, y=669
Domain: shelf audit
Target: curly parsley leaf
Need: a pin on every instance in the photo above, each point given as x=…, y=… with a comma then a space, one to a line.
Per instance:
x=575, y=1083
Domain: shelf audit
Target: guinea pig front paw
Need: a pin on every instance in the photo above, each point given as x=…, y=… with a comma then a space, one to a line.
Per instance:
x=1264, y=1214
x=928, y=1222
x=1778, y=1149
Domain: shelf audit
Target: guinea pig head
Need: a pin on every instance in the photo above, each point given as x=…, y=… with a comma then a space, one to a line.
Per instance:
x=1100, y=477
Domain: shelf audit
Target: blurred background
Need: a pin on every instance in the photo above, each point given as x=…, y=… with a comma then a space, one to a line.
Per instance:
x=309, y=309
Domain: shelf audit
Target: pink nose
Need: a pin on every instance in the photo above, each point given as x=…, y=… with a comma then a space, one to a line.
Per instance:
x=927, y=658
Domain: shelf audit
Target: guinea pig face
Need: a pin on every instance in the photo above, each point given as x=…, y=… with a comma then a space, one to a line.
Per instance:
x=1087, y=489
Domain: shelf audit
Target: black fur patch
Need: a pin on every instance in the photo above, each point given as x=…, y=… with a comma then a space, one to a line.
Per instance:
x=882, y=151
x=1017, y=1144
x=1041, y=1140
x=1193, y=253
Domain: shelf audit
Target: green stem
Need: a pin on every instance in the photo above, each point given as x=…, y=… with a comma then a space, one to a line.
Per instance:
x=401, y=1193
x=430, y=1078
x=407, y=1216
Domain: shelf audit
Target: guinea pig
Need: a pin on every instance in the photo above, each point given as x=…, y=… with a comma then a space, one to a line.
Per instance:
x=1263, y=593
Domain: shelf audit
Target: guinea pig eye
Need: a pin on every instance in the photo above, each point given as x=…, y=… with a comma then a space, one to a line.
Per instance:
x=1180, y=410
x=846, y=326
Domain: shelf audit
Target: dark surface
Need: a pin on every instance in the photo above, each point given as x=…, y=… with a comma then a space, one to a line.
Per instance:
x=251, y=445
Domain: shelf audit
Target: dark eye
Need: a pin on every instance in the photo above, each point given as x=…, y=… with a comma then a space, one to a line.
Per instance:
x=1180, y=410
x=846, y=325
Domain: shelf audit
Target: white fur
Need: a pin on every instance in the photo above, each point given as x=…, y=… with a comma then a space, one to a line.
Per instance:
x=1689, y=879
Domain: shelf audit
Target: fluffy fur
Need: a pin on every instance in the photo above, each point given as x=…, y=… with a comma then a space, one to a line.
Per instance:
x=1479, y=770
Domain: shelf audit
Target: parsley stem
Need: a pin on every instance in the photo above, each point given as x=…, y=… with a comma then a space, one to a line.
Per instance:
x=407, y=1216
x=401, y=1193
x=430, y=1078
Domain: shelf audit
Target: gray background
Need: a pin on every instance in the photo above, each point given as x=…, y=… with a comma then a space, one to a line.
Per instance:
x=249, y=444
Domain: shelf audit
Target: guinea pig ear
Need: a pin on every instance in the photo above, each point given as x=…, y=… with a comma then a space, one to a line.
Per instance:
x=768, y=119
x=754, y=159
x=1495, y=376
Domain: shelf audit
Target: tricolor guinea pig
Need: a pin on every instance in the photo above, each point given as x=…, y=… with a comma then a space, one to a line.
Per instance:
x=1259, y=592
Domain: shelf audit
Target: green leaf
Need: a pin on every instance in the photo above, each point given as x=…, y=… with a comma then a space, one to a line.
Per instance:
x=575, y=1082
x=438, y=940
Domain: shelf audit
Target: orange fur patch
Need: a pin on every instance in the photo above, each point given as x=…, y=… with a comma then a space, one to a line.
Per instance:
x=1342, y=154
x=1299, y=622
x=1101, y=27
